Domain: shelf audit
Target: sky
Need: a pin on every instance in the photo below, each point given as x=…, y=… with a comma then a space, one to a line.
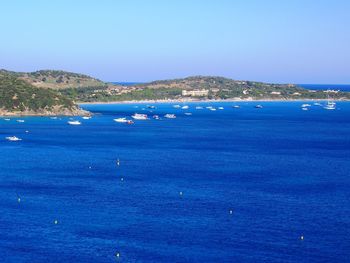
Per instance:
x=297, y=41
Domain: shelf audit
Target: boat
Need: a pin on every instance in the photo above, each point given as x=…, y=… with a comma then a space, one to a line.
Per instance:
x=236, y=106
x=317, y=104
x=209, y=107
x=212, y=109
x=7, y=119
x=86, y=117
x=53, y=118
x=258, y=106
x=185, y=107
x=330, y=105
x=305, y=108
x=129, y=122
x=13, y=138
x=170, y=116
x=177, y=106
x=220, y=108
x=138, y=116
x=156, y=117
x=305, y=105
x=123, y=120
x=188, y=113
x=199, y=108
x=20, y=120
x=74, y=122
x=151, y=107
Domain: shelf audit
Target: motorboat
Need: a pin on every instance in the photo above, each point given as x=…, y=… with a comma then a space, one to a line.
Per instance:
x=123, y=120
x=177, y=106
x=13, y=138
x=170, y=116
x=236, y=106
x=305, y=105
x=86, y=117
x=199, y=108
x=156, y=117
x=138, y=116
x=258, y=106
x=20, y=120
x=330, y=105
x=305, y=108
x=188, y=113
x=74, y=122
x=185, y=107
x=220, y=108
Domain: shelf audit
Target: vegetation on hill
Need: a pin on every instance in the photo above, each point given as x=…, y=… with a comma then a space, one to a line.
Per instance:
x=19, y=97
x=57, y=79
x=197, y=88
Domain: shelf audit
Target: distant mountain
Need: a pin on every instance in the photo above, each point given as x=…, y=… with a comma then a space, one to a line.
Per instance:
x=19, y=97
x=203, y=87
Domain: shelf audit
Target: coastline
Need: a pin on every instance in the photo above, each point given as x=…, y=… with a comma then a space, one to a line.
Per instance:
x=201, y=101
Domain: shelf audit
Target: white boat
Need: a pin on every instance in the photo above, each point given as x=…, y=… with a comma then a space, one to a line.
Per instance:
x=86, y=117
x=259, y=106
x=170, y=116
x=74, y=122
x=317, y=104
x=199, y=108
x=330, y=105
x=209, y=107
x=156, y=117
x=53, y=118
x=177, y=106
x=13, y=138
x=123, y=120
x=185, y=107
x=236, y=106
x=220, y=108
x=212, y=109
x=305, y=108
x=138, y=116
x=20, y=120
x=188, y=113
x=7, y=119
x=305, y=105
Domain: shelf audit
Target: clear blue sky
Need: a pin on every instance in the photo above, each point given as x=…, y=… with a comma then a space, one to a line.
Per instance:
x=296, y=41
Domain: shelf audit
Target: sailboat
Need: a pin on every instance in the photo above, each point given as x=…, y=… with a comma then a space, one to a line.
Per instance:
x=330, y=105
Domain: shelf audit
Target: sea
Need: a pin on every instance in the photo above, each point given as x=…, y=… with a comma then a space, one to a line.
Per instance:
x=246, y=184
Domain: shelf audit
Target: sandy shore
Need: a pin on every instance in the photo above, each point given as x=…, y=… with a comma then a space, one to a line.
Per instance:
x=198, y=101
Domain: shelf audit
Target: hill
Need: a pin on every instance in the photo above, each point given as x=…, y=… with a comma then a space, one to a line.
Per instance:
x=57, y=79
x=18, y=97
x=200, y=88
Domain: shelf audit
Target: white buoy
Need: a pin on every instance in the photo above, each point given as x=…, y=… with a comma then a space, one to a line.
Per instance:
x=118, y=162
x=89, y=167
x=181, y=193
x=18, y=199
x=122, y=179
x=117, y=254
x=56, y=221
x=231, y=212
x=301, y=237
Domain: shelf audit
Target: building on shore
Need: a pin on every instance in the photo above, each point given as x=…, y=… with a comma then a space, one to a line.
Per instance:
x=195, y=93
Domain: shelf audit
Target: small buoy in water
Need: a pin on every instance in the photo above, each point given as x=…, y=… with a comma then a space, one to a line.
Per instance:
x=56, y=222
x=89, y=167
x=122, y=179
x=118, y=162
x=180, y=193
x=27, y=131
x=231, y=212
x=18, y=199
x=301, y=237
x=117, y=254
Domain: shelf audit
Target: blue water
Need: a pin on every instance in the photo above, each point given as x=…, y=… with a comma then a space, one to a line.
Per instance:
x=282, y=171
